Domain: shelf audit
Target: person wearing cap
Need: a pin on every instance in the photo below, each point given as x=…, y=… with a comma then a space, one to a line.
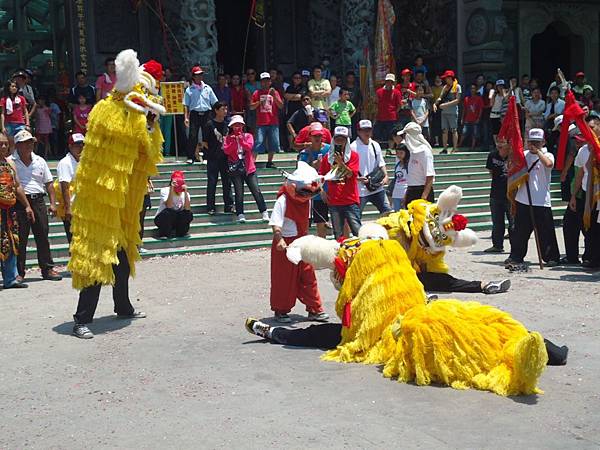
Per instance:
x=174, y=213
x=11, y=193
x=301, y=118
x=290, y=221
x=319, y=89
x=213, y=134
x=499, y=101
x=106, y=82
x=371, y=166
x=448, y=104
x=36, y=179
x=23, y=80
x=580, y=86
x=421, y=172
x=408, y=91
x=305, y=73
x=198, y=101
x=342, y=192
x=267, y=102
x=388, y=102
x=539, y=163
x=64, y=184
x=303, y=140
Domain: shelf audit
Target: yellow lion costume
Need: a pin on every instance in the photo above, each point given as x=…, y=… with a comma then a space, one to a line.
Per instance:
x=122, y=147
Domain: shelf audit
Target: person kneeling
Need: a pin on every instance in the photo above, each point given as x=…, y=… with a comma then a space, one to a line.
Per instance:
x=174, y=213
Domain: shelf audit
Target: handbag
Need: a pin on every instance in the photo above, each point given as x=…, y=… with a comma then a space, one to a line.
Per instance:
x=376, y=176
x=238, y=167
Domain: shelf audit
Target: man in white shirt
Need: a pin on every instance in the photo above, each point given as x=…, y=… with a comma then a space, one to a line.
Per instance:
x=539, y=162
x=66, y=169
x=421, y=172
x=372, y=176
x=36, y=179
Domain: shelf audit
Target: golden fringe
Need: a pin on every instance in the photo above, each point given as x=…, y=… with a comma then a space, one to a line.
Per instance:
x=379, y=284
x=119, y=155
x=464, y=345
x=512, y=188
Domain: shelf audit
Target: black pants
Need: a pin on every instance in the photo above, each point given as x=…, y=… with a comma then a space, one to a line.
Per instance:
x=88, y=297
x=214, y=167
x=40, y=233
x=592, y=244
x=67, y=225
x=500, y=208
x=415, y=192
x=328, y=336
x=524, y=227
x=572, y=227
x=252, y=182
x=197, y=122
x=443, y=282
x=170, y=220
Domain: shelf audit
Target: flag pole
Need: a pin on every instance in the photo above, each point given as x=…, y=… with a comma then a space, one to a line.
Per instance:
x=536, y=234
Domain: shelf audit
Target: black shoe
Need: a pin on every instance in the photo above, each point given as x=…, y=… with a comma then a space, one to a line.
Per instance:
x=51, y=275
x=509, y=262
x=17, y=285
x=493, y=250
x=82, y=331
x=567, y=262
x=229, y=210
x=270, y=165
x=591, y=264
x=211, y=212
x=134, y=315
x=552, y=264
x=444, y=152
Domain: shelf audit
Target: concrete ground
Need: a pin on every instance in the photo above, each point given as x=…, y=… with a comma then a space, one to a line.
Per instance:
x=189, y=376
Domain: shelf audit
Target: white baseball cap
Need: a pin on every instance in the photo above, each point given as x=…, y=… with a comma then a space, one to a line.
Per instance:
x=236, y=119
x=24, y=136
x=536, y=135
x=340, y=131
x=364, y=124
x=557, y=122
x=76, y=138
x=305, y=73
x=390, y=77
x=265, y=75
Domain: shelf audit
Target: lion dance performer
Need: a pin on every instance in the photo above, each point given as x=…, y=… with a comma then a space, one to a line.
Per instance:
x=122, y=147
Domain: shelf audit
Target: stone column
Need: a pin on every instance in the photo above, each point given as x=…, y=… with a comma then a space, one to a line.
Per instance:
x=358, y=26
x=198, y=36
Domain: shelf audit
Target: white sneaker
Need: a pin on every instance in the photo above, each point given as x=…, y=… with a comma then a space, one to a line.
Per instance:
x=143, y=250
x=265, y=216
x=241, y=218
x=190, y=161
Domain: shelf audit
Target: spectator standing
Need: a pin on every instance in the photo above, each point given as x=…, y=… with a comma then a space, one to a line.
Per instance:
x=82, y=87
x=389, y=101
x=305, y=77
x=198, y=101
x=36, y=179
x=342, y=110
x=400, y=184
x=525, y=87
x=319, y=89
x=341, y=195
x=355, y=97
x=407, y=90
x=554, y=108
x=63, y=186
x=485, y=134
x=11, y=192
x=106, y=82
x=421, y=172
x=372, y=175
x=580, y=85
x=436, y=115
x=267, y=102
x=81, y=113
x=174, y=214
x=420, y=110
x=539, y=163
x=43, y=126
x=534, y=110
x=419, y=66
x=15, y=115
x=238, y=96
x=448, y=104
x=335, y=90
x=497, y=165
x=222, y=91
x=294, y=95
x=471, y=117
x=214, y=133
x=55, y=120
x=499, y=101
x=238, y=146
x=24, y=88
x=301, y=118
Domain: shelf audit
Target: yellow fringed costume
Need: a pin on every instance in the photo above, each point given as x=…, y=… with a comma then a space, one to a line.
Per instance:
x=122, y=147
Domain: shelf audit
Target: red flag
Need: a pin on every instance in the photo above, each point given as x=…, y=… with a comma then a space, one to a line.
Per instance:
x=510, y=132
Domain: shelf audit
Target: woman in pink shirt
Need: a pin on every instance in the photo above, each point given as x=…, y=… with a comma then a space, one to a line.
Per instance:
x=43, y=126
x=80, y=115
x=238, y=145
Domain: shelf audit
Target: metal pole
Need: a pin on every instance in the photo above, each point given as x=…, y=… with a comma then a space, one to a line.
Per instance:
x=175, y=133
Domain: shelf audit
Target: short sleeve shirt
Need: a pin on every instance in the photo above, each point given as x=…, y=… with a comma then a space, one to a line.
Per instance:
x=420, y=166
x=370, y=157
x=19, y=105
x=66, y=169
x=388, y=103
x=213, y=134
x=267, y=112
x=319, y=86
x=35, y=176
x=498, y=167
x=105, y=83
x=343, y=111
x=581, y=161
x=539, y=181
x=278, y=219
x=164, y=196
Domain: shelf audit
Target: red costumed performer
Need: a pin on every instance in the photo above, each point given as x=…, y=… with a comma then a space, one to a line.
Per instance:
x=289, y=220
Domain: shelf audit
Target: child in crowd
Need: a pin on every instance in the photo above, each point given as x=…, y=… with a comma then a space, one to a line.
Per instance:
x=81, y=112
x=399, y=185
x=342, y=110
x=43, y=128
x=420, y=110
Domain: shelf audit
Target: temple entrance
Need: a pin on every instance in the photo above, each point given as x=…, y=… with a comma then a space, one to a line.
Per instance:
x=232, y=27
x=556, y=47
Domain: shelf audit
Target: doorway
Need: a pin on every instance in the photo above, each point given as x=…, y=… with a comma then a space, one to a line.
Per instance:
x=556, y=47
x=232, y=29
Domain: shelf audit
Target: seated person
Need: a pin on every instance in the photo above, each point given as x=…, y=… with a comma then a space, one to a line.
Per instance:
x=174, y=212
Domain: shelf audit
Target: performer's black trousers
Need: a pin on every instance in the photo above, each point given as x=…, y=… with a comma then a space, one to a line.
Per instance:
x=197, y=122
x=444, y=282
x=415, y=192
x=524, y=228
x=67, y=224
x=572, y=227
x=327, y=336
x=88, y=297
x=40, y=233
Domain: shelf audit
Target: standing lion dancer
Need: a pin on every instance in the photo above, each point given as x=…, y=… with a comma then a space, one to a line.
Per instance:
x=289, y=220
x=122, y=147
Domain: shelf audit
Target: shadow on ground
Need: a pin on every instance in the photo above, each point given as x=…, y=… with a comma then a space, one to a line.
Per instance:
x=101, y=325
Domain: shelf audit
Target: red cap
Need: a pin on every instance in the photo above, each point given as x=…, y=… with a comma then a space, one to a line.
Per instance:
x=406, y=72
x=448, y=74
x=76, y=138
x=179, y=178
x=154, y=68
x=580, y=74
x=316, y=132
x=197, y=70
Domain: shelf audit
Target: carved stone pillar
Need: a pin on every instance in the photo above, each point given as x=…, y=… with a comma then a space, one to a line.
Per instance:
x=198, y=34
x=324, y=16
x=358, y=26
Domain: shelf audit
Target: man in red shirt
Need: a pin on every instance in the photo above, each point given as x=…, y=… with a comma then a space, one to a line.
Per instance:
x=472, y=110
x=341, y=193
x=388, y=103
x=303, y=141
x=238, y=96
x=267, y=102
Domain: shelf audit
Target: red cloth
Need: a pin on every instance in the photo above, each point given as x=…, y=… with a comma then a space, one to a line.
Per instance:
x=574, y=113
x=238, y=99
x=297, y=208
x=267, y=111
x=346, y=192
x=388, y=103
x=304, y=136
x=18, y=115
x=290, y=282
x=473, y=107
